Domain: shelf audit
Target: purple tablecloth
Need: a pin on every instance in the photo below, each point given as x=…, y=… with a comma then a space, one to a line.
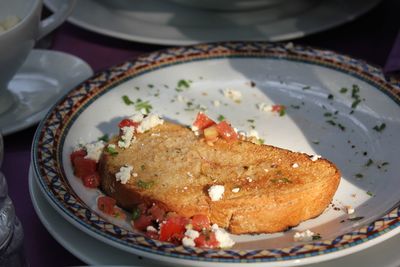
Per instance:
x=371, y=37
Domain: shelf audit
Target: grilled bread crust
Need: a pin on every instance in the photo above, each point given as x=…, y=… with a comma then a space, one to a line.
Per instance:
x=179, y=168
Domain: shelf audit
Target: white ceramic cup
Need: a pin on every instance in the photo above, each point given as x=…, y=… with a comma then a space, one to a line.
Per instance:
x=18, y=40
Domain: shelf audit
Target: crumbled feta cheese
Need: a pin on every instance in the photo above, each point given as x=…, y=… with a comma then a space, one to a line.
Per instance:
x=189, y=174
x=188, y=242
x=295, y=165
x=126, y=137
x=138, y=117
x=216, y=103
x=236, y=189
x=233, y=94
x=152, y=120
x=249, y=179
x=151, y=228
x=349, y=209
x=315, y=157
x=253, y=133
x=222, y=236
x=124, y=174
x=134, y=174
x=94, y=150
x=306, y=235
x=264, y=107
x=215, y=192
x=193, y=234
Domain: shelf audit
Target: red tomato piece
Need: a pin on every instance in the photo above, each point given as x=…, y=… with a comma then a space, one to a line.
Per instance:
x=203, y=121
x=84, y=167
x=200, y=222
x=106, y=204
x=277, y=108
x=142, y=222
x=226, y=131
x=81, y=153
x=207, y=240
x=173, y=229
x=91, y=180
x=157, y=213
x=127, y=123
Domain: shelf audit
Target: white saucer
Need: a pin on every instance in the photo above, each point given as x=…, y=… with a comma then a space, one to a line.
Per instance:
x=163, y=22
x=43, y=78
x=95, y=252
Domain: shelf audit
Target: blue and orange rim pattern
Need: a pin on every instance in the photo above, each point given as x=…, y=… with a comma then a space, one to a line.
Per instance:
x=50, y=136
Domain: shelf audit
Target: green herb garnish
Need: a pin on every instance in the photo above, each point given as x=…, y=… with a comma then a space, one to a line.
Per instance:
x=359, y=175
x=306, y=87
x=316, y=237
x=142, y=167
x=150, y=85
x=369, y=193
x=145, y=185
x=282, y=111
x=327, y=114
x=135, y=213
x=111, y=150
x=315, y=142
x=221, y=118
x=143, y=105
x=343, y=90
x=355, y=103
x=331, y=122
x=295, y=106
x=103, y=138
x=127, y=101
x=251, y=121
x=183, y=84
x=260, y=141
x=341, y=127
x=379, y=128
x=369, y=162
x=330, y=96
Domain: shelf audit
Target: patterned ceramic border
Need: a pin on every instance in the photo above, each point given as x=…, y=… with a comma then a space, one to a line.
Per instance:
x=53, y=129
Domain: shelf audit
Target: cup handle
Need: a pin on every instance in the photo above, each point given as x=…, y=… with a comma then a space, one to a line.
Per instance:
x=52, y=22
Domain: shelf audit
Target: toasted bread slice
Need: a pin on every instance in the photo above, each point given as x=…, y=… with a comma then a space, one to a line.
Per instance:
x=267, y=189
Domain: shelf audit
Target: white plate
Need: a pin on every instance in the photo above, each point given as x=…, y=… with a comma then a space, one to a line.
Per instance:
x=42, y=80
x=93, y=252
x=307, y=81
x=163, y=22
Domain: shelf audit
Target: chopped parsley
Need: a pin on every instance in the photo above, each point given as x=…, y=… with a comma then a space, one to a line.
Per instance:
x=251, y=121
x=331, y=122
x=103, y=138
x=282, y=111
x=355, y=103
x=330, y=96
x=341, y=127
x=327, y=114
x=295, y=106
x=260, y=141
x=127, y=101
x=221, y=118
x=369, y=162
x=111, y=150
x=369, y=193
x=343, y=90
x=135, y=213
x=316, y=237
x=141, y=105
x=150, y=85
x=315, y=142
x=142, y=167
x=359, y=175
x=182, y=84
x=379, y=128
x=306, y=87
x=145, y=185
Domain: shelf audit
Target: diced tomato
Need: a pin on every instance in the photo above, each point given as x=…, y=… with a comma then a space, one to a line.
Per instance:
x=91, y=180
x=203, y=121
x=226, y=131
x=173, y=229
x=207, y=240
x=200, y=222
x=157, y=213
x=84, y=167
x=211, y=133
x=127, y=123
x=277, y=108
x=81, y=153
x=106, y=204
x=142, y=222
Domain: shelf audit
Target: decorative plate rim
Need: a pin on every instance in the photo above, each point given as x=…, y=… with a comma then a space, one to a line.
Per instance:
x=51, y=133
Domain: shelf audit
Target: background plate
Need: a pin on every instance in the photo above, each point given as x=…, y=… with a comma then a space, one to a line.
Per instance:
x=163, y=22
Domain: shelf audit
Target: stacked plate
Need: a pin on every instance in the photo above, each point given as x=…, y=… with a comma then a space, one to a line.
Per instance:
x=336, y=106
